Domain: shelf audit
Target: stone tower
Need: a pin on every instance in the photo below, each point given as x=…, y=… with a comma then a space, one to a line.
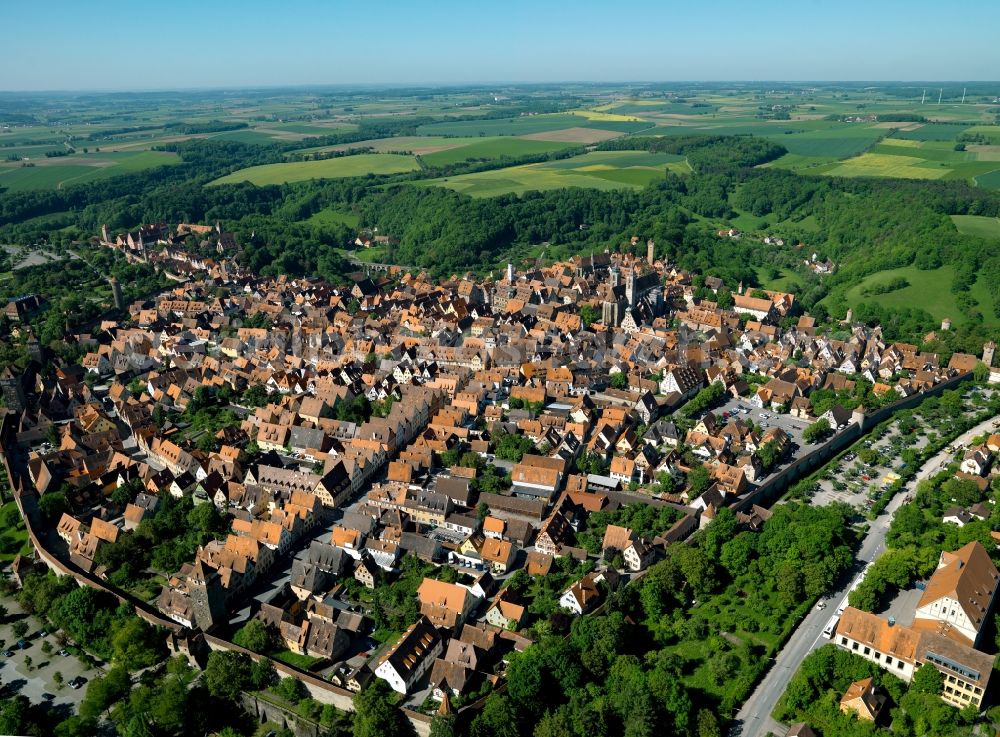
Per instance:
x=104, y=234
x=630, y=291
x=35, y=350
x=207, y=597
x=650, y=252
x=13, y=390
x=116, y=292
x=989, y=349
x=613, y=276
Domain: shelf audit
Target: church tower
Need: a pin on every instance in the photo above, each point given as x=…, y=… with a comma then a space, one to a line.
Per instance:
x=630, y=290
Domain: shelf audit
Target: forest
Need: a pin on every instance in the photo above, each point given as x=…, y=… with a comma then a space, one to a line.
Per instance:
x=864, y=225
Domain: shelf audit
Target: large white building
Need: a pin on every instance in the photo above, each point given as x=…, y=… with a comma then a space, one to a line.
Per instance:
x=959, y=595
x=411, y=657
x=946, y=626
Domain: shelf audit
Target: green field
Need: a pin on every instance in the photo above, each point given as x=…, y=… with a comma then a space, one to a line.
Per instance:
x=888, y=165
x=77, y=169
x=812, y=138
x=343, y=166
x=984, y=227
x=243, y=136
x=493, y=148
x=933, y=132
x=990, y=180
x=595, y=170
x=530, y=124
x=927, y=290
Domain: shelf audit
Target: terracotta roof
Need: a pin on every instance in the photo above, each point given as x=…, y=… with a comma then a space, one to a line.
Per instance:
x=966, y=575
x=438, y=593
x=872, y=630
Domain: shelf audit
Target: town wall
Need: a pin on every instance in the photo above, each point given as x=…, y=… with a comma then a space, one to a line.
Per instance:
x=801, y=467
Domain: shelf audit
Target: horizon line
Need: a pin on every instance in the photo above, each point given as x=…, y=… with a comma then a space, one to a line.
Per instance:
x=484, y=83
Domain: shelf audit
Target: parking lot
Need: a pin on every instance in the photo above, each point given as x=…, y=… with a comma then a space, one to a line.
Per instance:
x=37, y=681
x=764, y=419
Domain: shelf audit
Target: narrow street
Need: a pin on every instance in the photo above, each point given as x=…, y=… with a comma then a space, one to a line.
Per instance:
x=754, y=718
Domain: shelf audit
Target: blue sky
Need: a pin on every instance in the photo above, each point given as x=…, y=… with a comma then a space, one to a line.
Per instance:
x=140, y=44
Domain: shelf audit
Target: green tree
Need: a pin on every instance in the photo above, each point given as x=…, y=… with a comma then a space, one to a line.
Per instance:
x=497, y=719
x=52, y=505
x=19, y=628
x=443, y=725
x=290, y=689
x=768, y=454
x=376, y=716
x=256, y=636
x=263, y=674
x=927, y=679
x=816, y=431
x=708, y=725
x=619, y=380
x=136, y=644
x=226, y=674
x=589, y=315
x=16, y=716
x=699, y=479
x=104, y=691
x=75, y=726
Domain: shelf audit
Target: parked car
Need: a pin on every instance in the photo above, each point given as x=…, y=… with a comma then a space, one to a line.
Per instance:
x=22, y=644
x=64, y=652
x=7, y=653
x=77, y=682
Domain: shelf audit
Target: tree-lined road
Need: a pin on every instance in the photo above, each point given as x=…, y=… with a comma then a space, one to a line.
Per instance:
x=754, y=719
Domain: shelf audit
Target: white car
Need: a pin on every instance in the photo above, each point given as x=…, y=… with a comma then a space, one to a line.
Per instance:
x=821, y=604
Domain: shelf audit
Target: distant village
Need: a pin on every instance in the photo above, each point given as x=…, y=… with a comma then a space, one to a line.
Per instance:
x=479, y=427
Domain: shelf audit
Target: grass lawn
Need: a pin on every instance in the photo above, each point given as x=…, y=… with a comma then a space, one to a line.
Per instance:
x=928, y=290
x=330, y=216
x=781, y=283
x=343, y=166
x=305, y=662
x=13, y=539
x=373, y=255
x=984, y=227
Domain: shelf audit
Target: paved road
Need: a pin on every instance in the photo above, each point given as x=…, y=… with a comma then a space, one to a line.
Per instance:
x=755, y=716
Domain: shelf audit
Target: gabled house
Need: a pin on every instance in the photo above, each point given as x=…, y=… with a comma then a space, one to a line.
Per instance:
x=410, y=657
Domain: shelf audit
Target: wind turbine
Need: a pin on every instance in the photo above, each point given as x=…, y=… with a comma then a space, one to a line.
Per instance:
x=963, y=95
x=923, y=96
x=940, y=92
